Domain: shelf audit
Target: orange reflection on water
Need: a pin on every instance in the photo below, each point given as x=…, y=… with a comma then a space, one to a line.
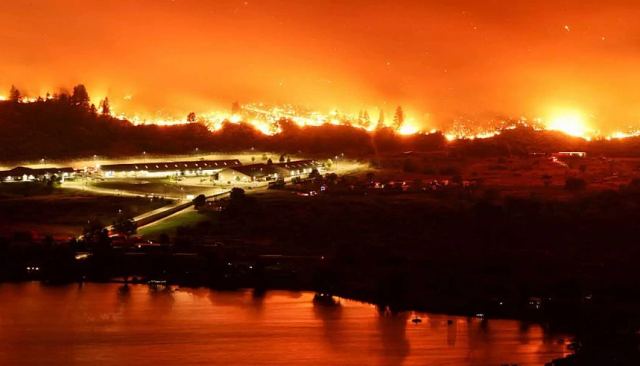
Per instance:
x=108, y=325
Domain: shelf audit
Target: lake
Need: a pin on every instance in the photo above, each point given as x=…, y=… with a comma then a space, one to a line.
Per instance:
x=104, y=324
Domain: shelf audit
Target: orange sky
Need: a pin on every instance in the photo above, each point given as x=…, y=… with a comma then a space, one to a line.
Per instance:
x=439, y=59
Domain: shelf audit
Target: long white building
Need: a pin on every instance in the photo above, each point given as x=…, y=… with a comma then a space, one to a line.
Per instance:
x=167, y=169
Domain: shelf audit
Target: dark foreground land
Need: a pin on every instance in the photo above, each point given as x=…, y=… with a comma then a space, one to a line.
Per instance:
x=35, y=210
x=568, y=263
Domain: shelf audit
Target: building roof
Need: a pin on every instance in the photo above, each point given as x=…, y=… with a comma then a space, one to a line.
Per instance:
x=21, y=170
x=257, y=170
x=159, y=166
x=296, y=165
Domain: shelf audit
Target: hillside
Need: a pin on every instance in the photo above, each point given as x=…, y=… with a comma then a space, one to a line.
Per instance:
x=57, y=128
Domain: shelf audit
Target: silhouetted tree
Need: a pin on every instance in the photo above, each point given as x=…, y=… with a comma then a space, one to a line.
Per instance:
x=236, y=194
x=80, y=97
x=14, y=94
x=332, y=178
x=62, y=96
x=199, y=201
x=105, y=107
x=124, y=225
x=95, y=233
x=398, y=118
x=191, y=117
x=314, y=173
x=282, y=158
x=269, y=161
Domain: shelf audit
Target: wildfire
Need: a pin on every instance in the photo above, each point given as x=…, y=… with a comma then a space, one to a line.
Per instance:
x=408, y=129
x=265, y=119
x=571, y=123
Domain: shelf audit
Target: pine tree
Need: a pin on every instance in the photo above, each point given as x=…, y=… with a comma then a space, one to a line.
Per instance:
x=105, y=108
x=14, y=94
x=80, y=97
x=398, y=118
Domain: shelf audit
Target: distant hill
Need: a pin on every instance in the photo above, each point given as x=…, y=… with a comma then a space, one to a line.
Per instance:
x=58, y=128
x=524, y=140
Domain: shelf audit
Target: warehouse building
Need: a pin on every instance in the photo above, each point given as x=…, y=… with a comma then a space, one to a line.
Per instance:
x=266, y=172
x=297, y=168
x=167, y=169
x=250, y=173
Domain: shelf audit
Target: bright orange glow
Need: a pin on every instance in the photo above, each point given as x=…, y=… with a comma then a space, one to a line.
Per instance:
x=443, y=59
x=572, y=123
x=266, y=120
x=408, y=129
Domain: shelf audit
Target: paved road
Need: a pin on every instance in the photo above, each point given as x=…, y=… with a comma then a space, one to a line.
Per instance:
x=180, y=204
x=163, y=213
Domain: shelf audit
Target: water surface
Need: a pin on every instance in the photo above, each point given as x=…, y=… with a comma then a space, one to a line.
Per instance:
x=102, y=324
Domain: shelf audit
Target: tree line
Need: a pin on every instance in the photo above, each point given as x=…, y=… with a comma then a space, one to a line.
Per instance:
x=66, y=125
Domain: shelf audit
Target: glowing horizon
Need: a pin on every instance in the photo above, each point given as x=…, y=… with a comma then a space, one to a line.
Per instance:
x=570, y=122
x=442, y=62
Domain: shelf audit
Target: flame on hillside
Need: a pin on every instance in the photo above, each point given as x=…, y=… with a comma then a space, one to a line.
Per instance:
x=265, y=119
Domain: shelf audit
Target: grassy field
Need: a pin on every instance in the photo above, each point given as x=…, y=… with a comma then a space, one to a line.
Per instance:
x=63, y=213
x=30, y=189
x=170, y=224
x=152, y=187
